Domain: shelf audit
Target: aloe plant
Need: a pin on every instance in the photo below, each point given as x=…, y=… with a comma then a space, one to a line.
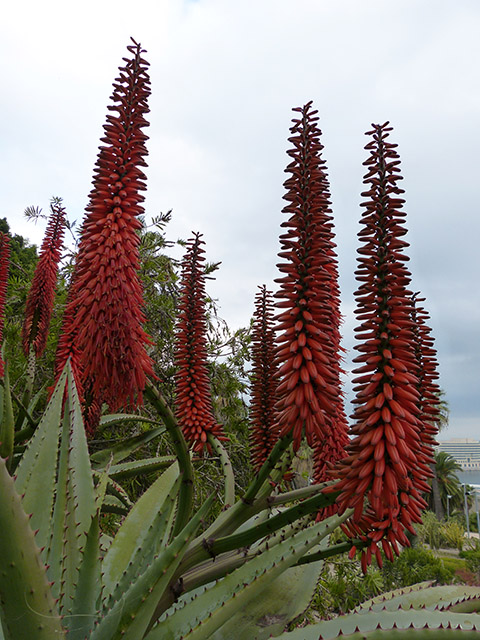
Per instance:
x=51, y=536
x=169, y=570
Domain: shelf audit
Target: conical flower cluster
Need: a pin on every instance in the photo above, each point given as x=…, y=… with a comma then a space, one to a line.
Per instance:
x=194, y=409
x=4, y=265
x=387, y=464
x=309, y=396
x=103, y=331
x=428, y=389
x=41, y=296
x=264, y=431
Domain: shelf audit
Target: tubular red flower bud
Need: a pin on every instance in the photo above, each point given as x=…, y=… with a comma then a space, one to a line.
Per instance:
x=194, y=409
x=4, y=265
x=42, y=292
x=102, y=329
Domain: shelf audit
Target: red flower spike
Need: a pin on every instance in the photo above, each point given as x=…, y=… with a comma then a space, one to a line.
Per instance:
x=428, y=390
x=310, y=399
x=194, y=410
x=4, y=265
x=40, y=299
x=102, y=330
x=386, y=457
x=264, y=430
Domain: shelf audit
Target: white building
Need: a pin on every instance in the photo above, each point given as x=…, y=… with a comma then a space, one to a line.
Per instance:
x=466, y=452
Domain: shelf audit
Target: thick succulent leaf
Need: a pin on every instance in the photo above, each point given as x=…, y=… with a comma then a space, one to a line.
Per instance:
x=74, y=501
x=391, y=624
x=7, y=423
x=137, y=528
x=28, y=608
x=439, y=597
x=118, y=418
x=88, y=589
x=282, y=601
x=139, y=467
x=121, y=450
x=36, y=472
x=208, y=612
x=388, y=595
x=130, y=617
x=111, y=504
x=115, y=489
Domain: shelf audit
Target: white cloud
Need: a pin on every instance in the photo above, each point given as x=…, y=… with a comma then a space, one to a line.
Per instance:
x=224, y=78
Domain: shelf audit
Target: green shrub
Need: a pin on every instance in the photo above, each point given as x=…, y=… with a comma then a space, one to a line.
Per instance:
x=416, y=564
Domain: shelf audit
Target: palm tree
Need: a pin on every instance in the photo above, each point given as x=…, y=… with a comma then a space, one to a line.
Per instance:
x=447, y=480
x=434, y=499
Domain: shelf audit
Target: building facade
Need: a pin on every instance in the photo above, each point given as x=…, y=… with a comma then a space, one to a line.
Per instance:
x=466, y=452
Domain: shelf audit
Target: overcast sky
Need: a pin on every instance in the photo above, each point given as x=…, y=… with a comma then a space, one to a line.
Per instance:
x=225, y=76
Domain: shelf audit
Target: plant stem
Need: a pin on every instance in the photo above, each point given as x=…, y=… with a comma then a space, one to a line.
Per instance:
x=185, y=495
x=334, y=550
x=227, y=469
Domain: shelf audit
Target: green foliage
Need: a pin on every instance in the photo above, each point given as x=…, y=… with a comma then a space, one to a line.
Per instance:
x=448, y=482
x=121, y=591
x=415, y=564
x=342, y=586
x=436, y=534
x=472, y=558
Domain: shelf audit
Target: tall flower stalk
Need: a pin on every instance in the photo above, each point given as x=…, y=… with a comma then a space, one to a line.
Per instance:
x=309, y=395
x=264, y=431
x=4, y=265
x=386, y=469
x=41, y=296
x=194, y=409
x=103, y=332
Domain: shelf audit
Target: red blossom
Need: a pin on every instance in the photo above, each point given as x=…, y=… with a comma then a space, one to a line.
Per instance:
x=103, y=331
x=264, y=431
x=42, y=292
x=194, y=410
x=387, y=464
x=4, y=265
x=310, y=399
x=428, y=389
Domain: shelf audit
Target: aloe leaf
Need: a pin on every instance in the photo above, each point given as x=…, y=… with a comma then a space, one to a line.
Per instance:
x=101, y=487
x=25, y=424
x=74, y=501
x=88, y=588
x=148, y=546
x=116, y=490
x=117, y=418
x=139, y=467
x=185, y=497
x=388, y=595
x=7, y=421
x=79, y=462
x=130, y=616
x=121, y=450
x=28, y=608
x=36, y=472
x=283, y=600
x=428, y=597
x=111, y=504
x=385, y=625
x=215, y=607
x=135, y=527
x=226, y=468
